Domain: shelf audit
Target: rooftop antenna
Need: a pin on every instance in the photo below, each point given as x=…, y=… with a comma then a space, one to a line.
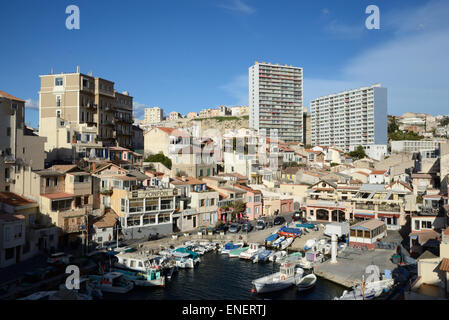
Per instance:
x=91, y=73
x=52, y=71
x=77, y=69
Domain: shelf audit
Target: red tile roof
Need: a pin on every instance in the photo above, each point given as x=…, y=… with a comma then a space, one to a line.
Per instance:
x=58, y=195
x=7, y=95
x=14, y=199
x=378, y=171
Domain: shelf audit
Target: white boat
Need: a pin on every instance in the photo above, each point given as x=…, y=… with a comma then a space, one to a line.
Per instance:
x=277, y=242
x=136, y=261
x=262, y=256
x=113, y=282
x=236, y=252
x=254, y=248
x=287, y=242
x=276, y=255
x=287, y=276
x=341, y=247
x=294, y=257
x=372, y=290
x=307, y=282
x=309, y=244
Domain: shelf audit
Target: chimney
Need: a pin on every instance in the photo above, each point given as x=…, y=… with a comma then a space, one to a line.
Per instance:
x=94, y=166
x=77, y=69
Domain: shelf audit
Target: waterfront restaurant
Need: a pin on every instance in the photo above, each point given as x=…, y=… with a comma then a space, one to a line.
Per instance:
x=367, y=233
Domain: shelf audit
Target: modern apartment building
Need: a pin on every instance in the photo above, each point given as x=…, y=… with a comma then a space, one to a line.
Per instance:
x=413, y=146
x=276, y=100
x=85, y=101
x=153, y=115
x=350, y=118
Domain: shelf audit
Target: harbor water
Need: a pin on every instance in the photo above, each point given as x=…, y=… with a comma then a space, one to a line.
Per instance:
x=219, y=277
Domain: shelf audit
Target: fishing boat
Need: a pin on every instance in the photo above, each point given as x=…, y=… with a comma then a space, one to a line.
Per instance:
x=136, y=261
x=310, y=244
x=112, y=282
x=277, y=242
x=294, y=257
x=186, y=259
x=275, y=255
x=307, y=282
x=287, y=276
x=236, y=253
x=287, y=242
x=152, y=278
x=372, y=289
x=231, y=246
x=254, y=249
x=262, y=256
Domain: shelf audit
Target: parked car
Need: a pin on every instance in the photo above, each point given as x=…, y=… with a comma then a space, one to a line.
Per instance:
x=279, y=220
x=59, y=258
x=247, y=227
x=234, y=228
x=260, y=224
x=222, y=227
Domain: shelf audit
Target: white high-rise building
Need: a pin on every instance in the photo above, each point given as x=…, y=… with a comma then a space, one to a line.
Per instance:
x=350, y=118
x=275, y=100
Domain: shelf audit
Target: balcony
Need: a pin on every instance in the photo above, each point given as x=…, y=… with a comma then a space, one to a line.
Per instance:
x=390, y=208
x=364, y=206
x=108, y=123
x=10, y=180
x=74, y=228
x=106, y=192
x=91, y=106
x=9, y=159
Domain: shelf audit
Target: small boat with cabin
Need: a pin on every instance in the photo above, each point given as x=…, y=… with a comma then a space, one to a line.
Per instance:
x=236, y=252
x=287, y=276
x=113, y=282
x=254, y=249
x=231, y=246
x=307, y=282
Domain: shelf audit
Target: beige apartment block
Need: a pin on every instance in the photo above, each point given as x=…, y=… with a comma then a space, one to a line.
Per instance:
x=83, y=100
x=20, y=148
x=153, y=115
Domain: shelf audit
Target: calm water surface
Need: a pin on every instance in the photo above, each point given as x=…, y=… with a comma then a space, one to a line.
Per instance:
x=219, y=277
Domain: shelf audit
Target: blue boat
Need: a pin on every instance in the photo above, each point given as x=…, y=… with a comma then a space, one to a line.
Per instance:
x=290, y=232
x=271, y=238
x=262, y=256
x=231, y=246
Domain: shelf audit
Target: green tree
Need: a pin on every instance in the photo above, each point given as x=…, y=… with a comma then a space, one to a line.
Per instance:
x=358, y=153
x=160, y=157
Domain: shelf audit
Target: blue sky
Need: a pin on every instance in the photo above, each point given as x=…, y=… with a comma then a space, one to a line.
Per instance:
x=188, y=55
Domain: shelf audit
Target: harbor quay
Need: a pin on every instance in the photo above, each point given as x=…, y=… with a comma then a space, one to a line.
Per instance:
x=352, y=265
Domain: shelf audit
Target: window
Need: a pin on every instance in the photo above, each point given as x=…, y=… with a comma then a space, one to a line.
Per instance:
x=56, y=182
x=7, y=234
x=58, y=101
x=47, y=182
x=58, y=113
x=31, y=219
x=6, y=173
x=8, y=131
x=9, y=253
x=59, y=81
x=82, y=116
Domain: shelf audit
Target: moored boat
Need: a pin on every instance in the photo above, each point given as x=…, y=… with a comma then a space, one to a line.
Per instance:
x=276, y=255
x=254, y=249
x=371, y=290
x=287, y=276
x=262, y=256
x=307, y=282
x=231, y=246
x=287, y=242
x=113, y=282
x=236, y=253
x=309, y=244
x=151, y=278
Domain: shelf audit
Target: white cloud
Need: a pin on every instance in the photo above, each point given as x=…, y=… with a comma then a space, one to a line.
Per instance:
x=237, y=89
x=138, y=110
x=413, y=66
x=32, y=104
x=237, y=5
